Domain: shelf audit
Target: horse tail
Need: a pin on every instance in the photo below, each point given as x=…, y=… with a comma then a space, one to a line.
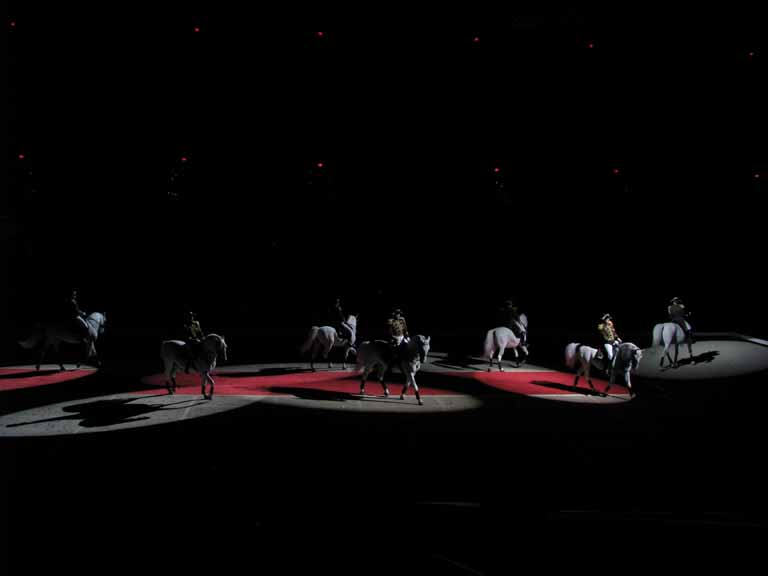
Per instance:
x=35, y=338
x=490, y=342
x=657, y=333
x=310, y=340
x=570, y=354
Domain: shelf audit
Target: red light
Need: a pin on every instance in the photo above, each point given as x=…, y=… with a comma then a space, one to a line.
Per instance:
x=591, y=45
x=497, y=170
x=476, y=39
x=320, y=34
x=21, y=156
x=13, y=24
x=320, y=164
x=757, y=175
x=615, y=170
x=183, y=158
x=197, y=29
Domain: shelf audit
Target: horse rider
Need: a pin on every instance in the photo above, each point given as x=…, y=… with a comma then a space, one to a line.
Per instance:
x=513, y=321
x=74, y=313
x=193, y=335
x=611, y=340
x=678, y=314
x=397, y=330
x=339, y=321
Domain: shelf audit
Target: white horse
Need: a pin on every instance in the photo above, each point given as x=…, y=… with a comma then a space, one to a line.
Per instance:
x=626, y=359
x=499, y=339
x=378, y=354
x=322, y=338
x=670, y=333
x=84, y=333
x=176, y=354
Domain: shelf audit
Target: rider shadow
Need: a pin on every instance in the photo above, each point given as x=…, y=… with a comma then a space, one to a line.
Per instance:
x=109, y=412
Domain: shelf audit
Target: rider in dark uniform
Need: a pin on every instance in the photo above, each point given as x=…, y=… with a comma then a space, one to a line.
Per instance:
x=678, y=314
x=338, y=320
x=73, y=313
x=511, y=318
x=193, y=335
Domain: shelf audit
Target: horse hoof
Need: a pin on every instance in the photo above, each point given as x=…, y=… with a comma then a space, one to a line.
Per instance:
x=386, y=393
x=402, y=397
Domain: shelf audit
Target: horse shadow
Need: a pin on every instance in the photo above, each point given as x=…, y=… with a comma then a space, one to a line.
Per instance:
x=29, y=374
x=102, y=413
x=460, y=361
x=314, y=393
x=587, y=391
x=703, y=358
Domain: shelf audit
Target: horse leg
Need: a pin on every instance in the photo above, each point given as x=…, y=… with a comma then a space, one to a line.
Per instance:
x=312, y=353
x=629, y=382
x=407, y=384
x=202, y=385
x=213, y=384
x=610, y=381
x=579, y=370
x=490, y=361
x=677, y=350
x=416, y=389
x=43, y=350
x=382, y=373
x=58, y=355
x=517, y=358
x=588, y=376
x=366, y=371
x=498, y=359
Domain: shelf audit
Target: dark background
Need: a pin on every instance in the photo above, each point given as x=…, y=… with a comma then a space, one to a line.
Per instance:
x=409, y=117
x=409, y=121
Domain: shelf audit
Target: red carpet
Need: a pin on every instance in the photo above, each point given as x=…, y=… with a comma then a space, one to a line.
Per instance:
x=476, y=383
x=17, y=378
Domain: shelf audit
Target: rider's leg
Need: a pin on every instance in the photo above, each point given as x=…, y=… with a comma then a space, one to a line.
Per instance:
x=608, y=355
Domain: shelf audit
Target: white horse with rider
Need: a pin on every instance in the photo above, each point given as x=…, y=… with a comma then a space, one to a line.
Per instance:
x=626, y=360
x=322, y=339
x=178, y=355
x=669, y=333
x=409, y=356
x=499, y=339
x=82, y=331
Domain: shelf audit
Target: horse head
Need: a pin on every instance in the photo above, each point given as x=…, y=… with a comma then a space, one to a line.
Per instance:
x=422, y=343
x=216, y=344
x=631, y=355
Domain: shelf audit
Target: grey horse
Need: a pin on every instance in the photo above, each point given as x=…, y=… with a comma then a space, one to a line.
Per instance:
x=378, y=354
x=670, y=333
x=625, y=361
x=322, y=339
x=83, y=332
x=175, y=355
x=499, y=339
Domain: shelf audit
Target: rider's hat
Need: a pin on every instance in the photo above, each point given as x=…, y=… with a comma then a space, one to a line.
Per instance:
x=606, y=317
